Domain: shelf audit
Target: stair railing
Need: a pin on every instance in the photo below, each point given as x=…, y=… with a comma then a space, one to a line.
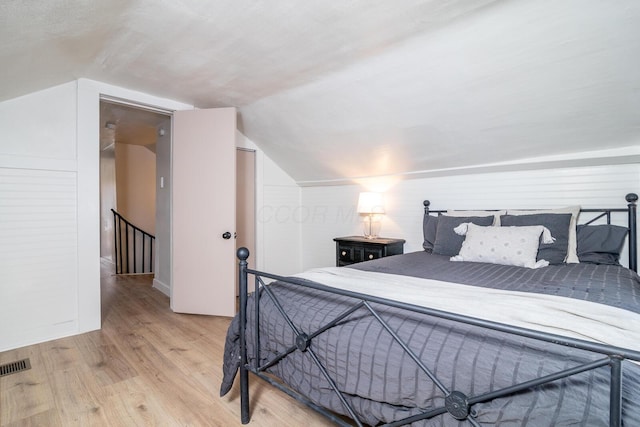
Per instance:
x=133, y=247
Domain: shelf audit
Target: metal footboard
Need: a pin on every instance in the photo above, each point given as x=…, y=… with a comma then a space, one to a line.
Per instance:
x=457, y=403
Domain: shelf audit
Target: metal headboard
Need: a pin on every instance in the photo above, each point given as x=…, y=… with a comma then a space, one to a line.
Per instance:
x=631, y=210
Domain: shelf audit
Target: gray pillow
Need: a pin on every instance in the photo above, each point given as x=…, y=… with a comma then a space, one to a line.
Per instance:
x=429, y=226
x=600, y=244
x=558, y=225
x=447, y=241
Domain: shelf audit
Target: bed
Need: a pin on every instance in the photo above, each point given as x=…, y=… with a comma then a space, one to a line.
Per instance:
x=455, y=335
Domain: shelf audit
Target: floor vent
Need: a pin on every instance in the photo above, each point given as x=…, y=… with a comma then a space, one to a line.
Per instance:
x=14, y=367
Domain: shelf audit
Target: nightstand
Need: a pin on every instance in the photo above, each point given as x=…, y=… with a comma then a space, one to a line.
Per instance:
x=352, y=249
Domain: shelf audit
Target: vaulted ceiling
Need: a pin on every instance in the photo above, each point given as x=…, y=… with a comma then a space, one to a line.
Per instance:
x=341, y=89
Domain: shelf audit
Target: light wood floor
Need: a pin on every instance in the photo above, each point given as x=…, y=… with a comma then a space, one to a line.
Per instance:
x=147, y=366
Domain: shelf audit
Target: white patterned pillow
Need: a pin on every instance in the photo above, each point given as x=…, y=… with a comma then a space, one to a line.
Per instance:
x=502, y=245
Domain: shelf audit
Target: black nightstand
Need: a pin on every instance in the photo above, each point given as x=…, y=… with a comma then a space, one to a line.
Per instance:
x=352, y=249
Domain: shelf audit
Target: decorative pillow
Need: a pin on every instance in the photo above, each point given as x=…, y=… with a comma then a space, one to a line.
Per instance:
x=572, y=252
x=447, y=241
x=496, y=214
x=558, y=224
x=429, y=226
x=502, y=245
x=601, y=244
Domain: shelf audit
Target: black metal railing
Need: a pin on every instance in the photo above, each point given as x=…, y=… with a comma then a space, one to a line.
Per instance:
x=133, y=247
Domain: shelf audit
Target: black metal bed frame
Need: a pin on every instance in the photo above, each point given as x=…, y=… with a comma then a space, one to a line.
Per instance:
x=456, y=403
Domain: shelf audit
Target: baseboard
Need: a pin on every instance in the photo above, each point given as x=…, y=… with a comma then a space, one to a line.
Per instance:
x=162, y=287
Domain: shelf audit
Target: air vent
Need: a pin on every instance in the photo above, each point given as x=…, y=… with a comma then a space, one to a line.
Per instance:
x=14, y=367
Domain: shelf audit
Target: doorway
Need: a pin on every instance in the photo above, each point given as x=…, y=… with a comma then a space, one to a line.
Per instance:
x=132, y=153
x=179, y=196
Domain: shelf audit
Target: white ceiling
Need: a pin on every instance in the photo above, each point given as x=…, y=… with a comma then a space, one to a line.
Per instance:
x=340, y=89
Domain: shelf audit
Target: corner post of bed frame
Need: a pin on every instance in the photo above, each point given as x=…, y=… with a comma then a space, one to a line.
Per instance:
x=632, y=198
x=426, y=204
x=615, y=398
x=243, y=255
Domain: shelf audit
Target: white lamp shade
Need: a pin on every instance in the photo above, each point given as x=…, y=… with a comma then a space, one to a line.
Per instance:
x=370, y=203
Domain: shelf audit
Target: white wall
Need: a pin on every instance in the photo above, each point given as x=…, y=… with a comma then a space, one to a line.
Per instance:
x=162, y=277
x=38, y=217
x=136, y=185
x=278, y=224
x=107, y=199
x=38, y=130
x=332, y=208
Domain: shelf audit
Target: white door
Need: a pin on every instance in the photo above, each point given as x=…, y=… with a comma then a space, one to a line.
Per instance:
x=203, y=211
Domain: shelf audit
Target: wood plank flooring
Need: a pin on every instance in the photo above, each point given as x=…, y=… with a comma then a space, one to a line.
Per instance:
x=147, y=366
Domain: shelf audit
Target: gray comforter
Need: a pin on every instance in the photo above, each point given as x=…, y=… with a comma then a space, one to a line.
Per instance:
x=383, y=384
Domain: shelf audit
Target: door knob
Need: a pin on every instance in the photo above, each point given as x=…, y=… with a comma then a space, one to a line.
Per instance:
x=226, y=235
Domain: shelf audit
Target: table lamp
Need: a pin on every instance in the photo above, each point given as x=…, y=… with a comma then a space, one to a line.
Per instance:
x=370, y=204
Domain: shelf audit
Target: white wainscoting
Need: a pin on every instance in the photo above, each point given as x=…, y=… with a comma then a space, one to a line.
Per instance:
x=38, y=256
x=334, y=206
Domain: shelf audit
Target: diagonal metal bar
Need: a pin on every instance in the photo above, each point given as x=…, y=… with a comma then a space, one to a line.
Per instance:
x=487, y=396
x=317, y=361
x=602, y=215
x=473, y=421
x=422, y=366
x=334, y=386
x=311, y=336
x=338, y=319
x=285, y=316
x=507, y=391
x=538, y=381
x=407, y=350
x=276, y=359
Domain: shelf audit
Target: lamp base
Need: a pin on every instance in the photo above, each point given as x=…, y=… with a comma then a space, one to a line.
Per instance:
x=372, y=225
